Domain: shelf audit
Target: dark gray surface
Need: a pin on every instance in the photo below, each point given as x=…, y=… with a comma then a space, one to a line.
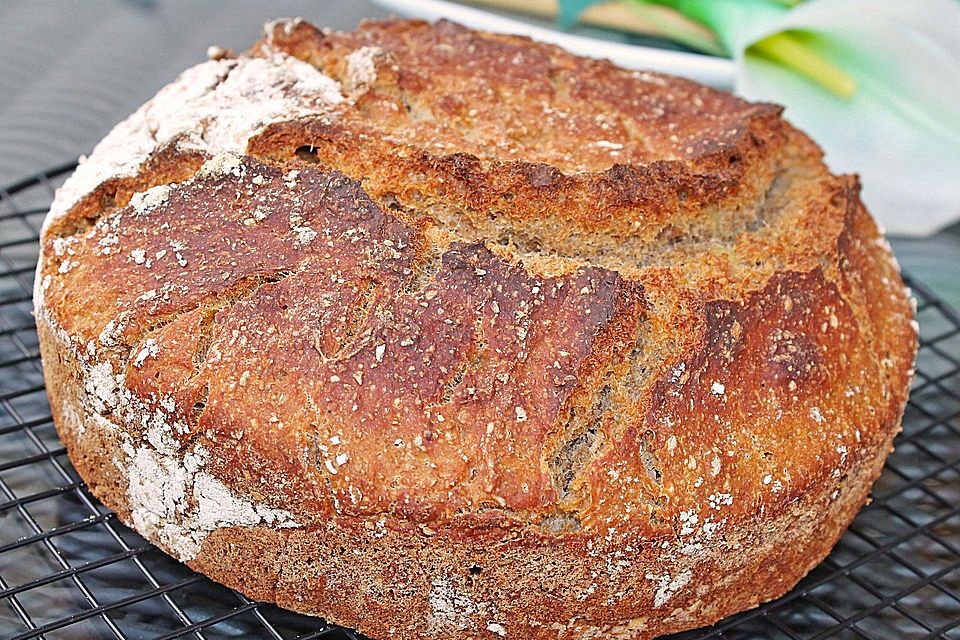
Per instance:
x=69, y=71
x=934, y=261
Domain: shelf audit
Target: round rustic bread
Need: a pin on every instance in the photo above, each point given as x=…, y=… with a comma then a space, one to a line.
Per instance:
x=438, y=333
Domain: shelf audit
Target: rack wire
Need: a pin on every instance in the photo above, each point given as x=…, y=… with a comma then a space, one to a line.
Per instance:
x=70, y=569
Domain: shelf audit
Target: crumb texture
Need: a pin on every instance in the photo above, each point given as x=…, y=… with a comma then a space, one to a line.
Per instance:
x=438, y=333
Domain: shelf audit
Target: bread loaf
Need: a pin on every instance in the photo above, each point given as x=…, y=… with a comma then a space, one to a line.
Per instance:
x=446, y=334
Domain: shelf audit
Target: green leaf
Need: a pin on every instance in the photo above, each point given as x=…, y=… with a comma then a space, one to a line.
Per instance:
x=676, y=31
x=794, y=51
x=735, y=22
x=742, y=25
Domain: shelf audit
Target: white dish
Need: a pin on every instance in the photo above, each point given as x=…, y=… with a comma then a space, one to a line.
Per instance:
x=716, y=72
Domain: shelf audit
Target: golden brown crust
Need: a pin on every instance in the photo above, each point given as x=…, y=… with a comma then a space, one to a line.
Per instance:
x=577, y=352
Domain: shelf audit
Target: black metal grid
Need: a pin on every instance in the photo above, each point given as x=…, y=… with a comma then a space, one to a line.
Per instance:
x=70, y=569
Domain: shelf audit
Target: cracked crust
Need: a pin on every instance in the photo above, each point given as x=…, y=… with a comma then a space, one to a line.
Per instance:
x=432, y=331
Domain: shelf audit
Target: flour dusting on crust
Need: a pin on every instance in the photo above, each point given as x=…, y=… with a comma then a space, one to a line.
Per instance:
x=151, y=198
x=172, y=500
x=361, y=67
x=213, y=107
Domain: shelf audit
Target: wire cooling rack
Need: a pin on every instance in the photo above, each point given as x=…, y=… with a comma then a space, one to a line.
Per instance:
x=70, y=569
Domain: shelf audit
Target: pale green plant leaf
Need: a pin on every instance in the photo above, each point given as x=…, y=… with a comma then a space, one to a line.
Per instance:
x=736, y=22
x=900, y=130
